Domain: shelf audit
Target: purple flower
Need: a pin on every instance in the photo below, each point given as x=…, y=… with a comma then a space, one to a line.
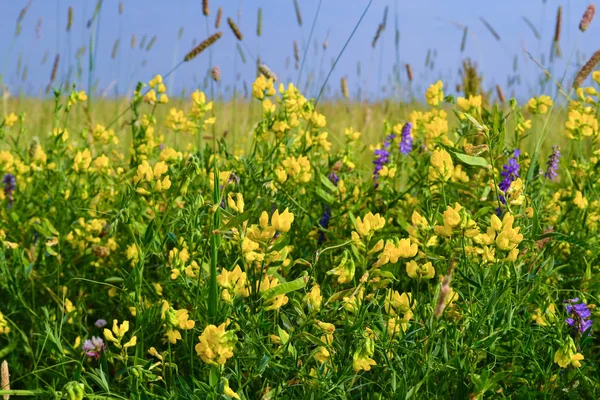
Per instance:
x=510, y=172
x=388, y=140
x=101, y=323
x=10, y=183
x=383, y=157
x=552, y=163
x=93, y=347
x=333, y=178
x=579, y=314
x=406, y=142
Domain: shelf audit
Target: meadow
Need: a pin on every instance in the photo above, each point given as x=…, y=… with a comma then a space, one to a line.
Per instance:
x=277, y=245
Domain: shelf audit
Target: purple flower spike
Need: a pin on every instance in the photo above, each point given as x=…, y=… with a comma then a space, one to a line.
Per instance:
x=101, y=323
x=10, y=184
x=383, y=157
x=406, y=142
x=510, y=172
x=552, y=164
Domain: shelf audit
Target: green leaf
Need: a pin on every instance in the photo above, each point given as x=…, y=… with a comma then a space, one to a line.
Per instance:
x=286, y=287
x=477, y=124
x=324, y=196
x=236, y=221
x=327, y=183
x=473, y=161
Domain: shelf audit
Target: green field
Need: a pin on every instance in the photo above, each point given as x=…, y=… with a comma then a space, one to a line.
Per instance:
x=278, y=246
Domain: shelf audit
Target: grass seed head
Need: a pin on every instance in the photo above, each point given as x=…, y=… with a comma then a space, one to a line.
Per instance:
x=234, y=28
x=259, y=23
x=344, y=85
x=115, y=49
x=69, y=19
x=219, y=16
x=266, y=71
x=558, y=25
x=298, y=14
x=206, y=43
x=409, y=72
x=587, y=18
x=586, y=70
x=216, y=73
x=5, y=379
x=500, y=94
x=205, y=8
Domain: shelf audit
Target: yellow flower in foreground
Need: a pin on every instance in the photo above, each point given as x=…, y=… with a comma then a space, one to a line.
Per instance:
x=441, y=166
x=369, y=224
x=314, y=299
x=216, y=344
x=233, y=283
x=227, y=391
x=117, y=334
x=282, y=222
x=425, y=271
x=567, y=355
x=542, y=318
x=361, y=360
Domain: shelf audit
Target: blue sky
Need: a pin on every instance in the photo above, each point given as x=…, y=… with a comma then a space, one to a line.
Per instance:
x=423, y=25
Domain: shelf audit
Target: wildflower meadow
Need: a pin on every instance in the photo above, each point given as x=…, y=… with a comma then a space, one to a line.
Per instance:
x=286, y=246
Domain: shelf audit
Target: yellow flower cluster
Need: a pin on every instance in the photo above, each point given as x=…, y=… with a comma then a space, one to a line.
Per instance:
x=568, y=355
x=472, y=104
x=581, y=122
x=361, y=359
x=103, y=135
x=145, y=173
x=441, y=166
x=393, y=250
x=117, y=334
x=503, y=235
x=257, y=242
x=423, y=271
x=175, y=320
x=75, y=97
x=539, y=105
x=296, y=169
x=456, y=220
x=433, y=125
x=236, y=205
x=234, y=284
x=399, y=307
x=366, y=226
x=275, y=303
x=157, y=86
x=216, y=344
x=262, y=86
x=435, y=94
